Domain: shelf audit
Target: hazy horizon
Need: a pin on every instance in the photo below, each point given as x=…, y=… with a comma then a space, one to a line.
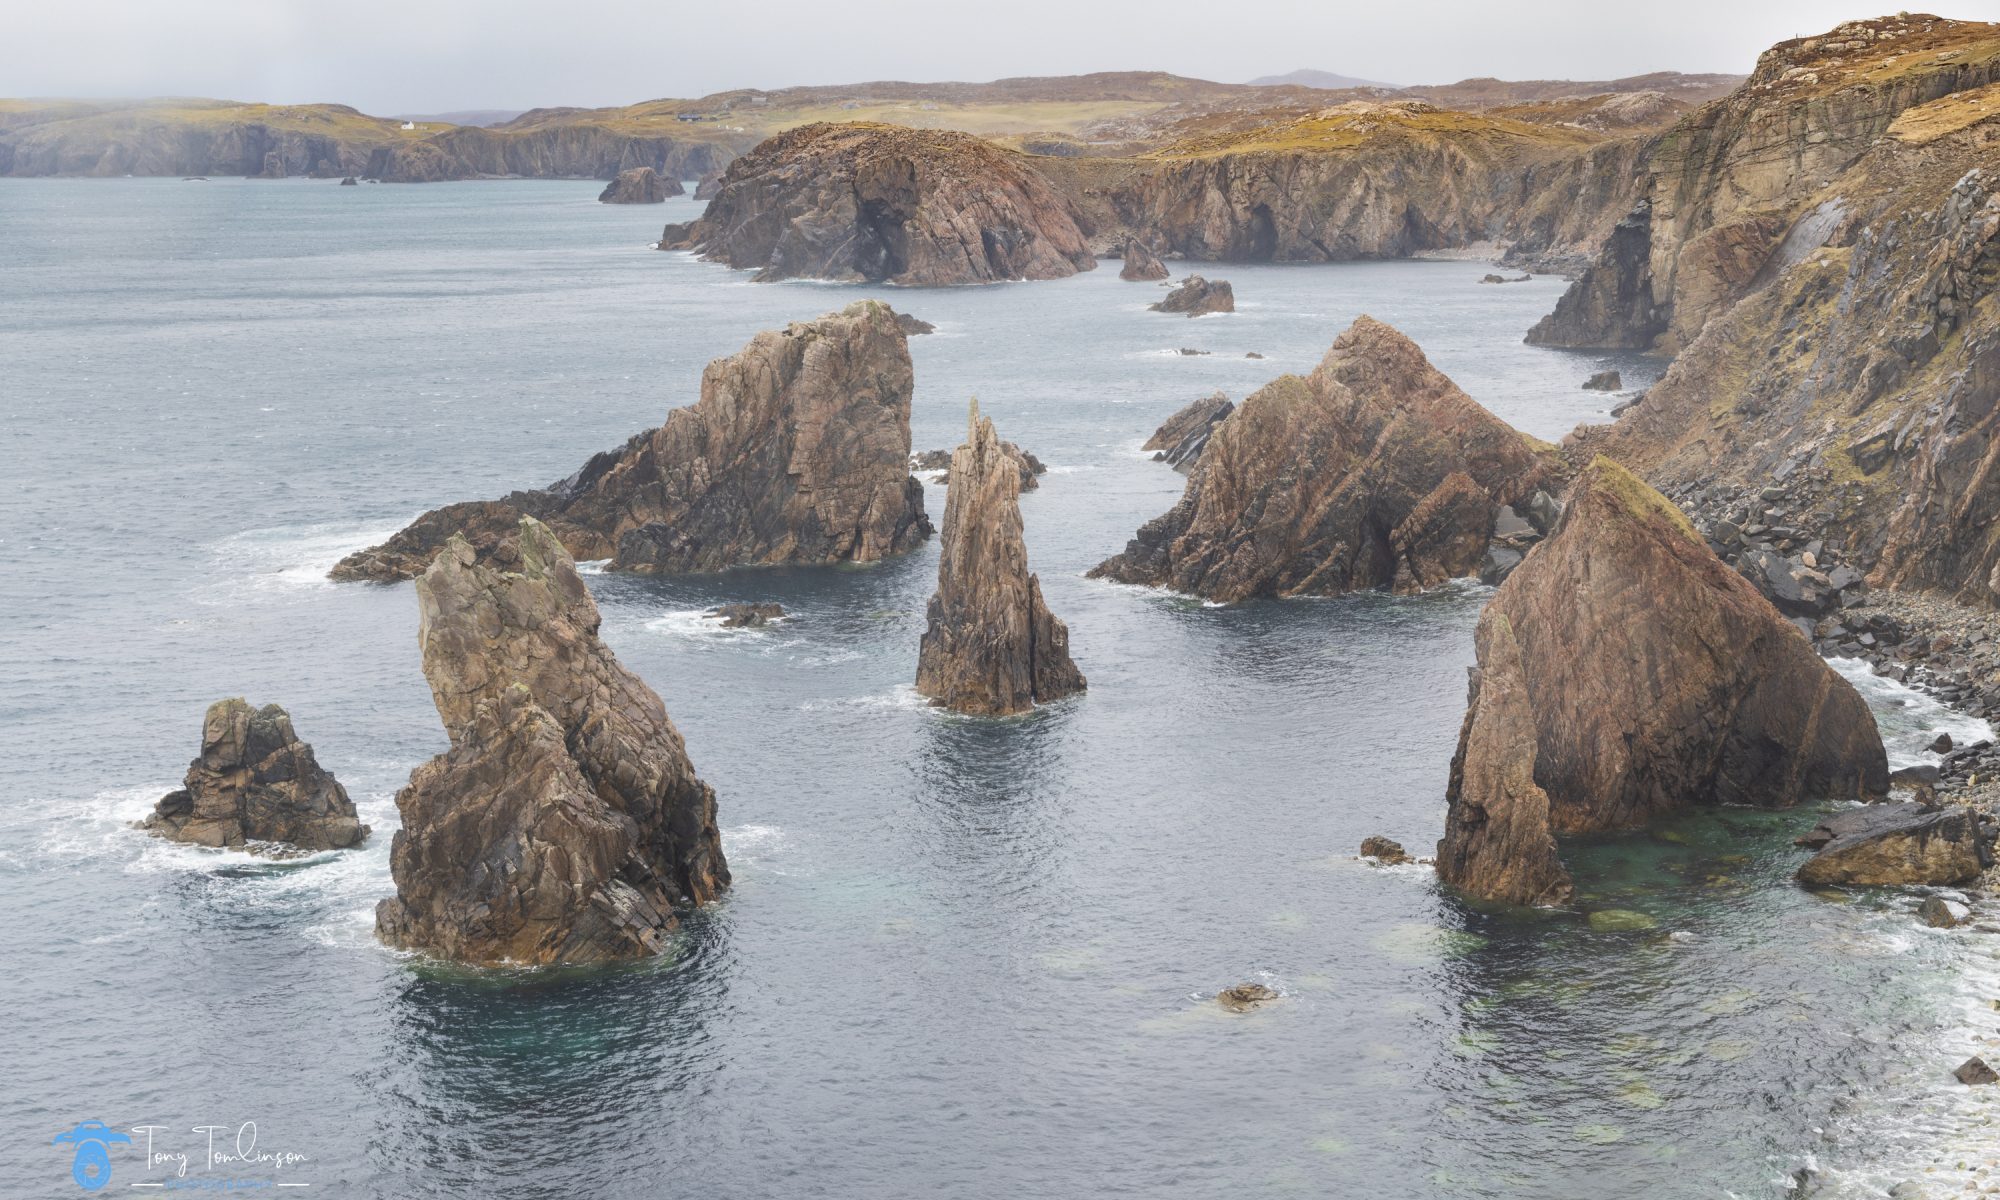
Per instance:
x=453, y=55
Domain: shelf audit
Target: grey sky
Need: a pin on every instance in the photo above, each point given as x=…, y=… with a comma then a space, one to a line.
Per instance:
x=388, y=56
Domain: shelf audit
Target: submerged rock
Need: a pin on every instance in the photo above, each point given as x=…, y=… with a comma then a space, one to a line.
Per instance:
x=862, y=202
x=1180, y=438
x=992, y=646
x=1245, y=996
x=1384, y=851
x=1625, y=673
x=1897, y=844
x=1141, y=264
x=641, y=185
x=566, y=823
x=350, y=181
x=256, y=782
x=796, y=452
x=1604, y=381
x=1373, y=471
x=747, y=616
x=1940, y=913
x=1196, y=296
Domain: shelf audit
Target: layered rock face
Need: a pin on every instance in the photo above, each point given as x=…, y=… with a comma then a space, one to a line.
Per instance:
x=1373, y=471
x=884, y=204
x=1196, y=296
x=992, y=647
x=1739, y=189
x=1179, y=440
x=256, y=782
x=641, y=185
x=797, y=452
x=566, y=823
x=1625, y=673
x=1898, y=844
x=1141, y=264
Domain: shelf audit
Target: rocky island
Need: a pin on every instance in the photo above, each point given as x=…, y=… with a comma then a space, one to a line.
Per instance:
x=797, y=452
x=1374, y=471
x=256, y=782
x=565, y=824
x=992, y=647
x=640, y=185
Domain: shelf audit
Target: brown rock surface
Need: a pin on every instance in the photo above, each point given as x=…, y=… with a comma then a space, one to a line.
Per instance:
x=1179, y=440
x=992, y=647
x=1141, y=264
x=1374, y=470
x=565, y=823
x=1899, y=844
x=1648, y=678
x=1196, y=296
x=797, y=452
x=256, y=782
x=640, y=185
x=880, y=203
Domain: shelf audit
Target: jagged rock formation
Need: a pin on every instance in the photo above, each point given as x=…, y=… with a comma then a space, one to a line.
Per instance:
x=797, y=452
x=1029, y=467
x=1196, y=296
x=565, y=824
x=746, y=616
x=1179, y=440
x=1625, y=673
x=640, y=185
x=1604, y=381
x=1373, y=471
x=879, y=203
x=1744, y=186
x=1140, y=263
x=913, y=326
x=992, y=647
x=256, y=782
x=1898, y=844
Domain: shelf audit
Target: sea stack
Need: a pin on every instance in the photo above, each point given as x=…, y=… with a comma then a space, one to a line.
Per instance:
x=1374, y=471
x=640, y=185
x=1141, y=264
x=256, y=782
x=565, y=824
x=1625, y=673
x=797, y=452
x=1196, y=296
x=868, y=203
x=993, y=648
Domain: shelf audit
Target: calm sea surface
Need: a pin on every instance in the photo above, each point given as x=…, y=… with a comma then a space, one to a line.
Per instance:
x=962, y=958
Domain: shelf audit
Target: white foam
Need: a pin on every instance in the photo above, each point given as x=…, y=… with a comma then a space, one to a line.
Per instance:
x=291, y=557
x=1909, y=719
x=903, y=695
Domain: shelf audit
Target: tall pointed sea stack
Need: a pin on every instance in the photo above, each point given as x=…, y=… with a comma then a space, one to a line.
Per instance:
x=797, y=452
x=1626, y=673
x=993, y=647
x=566, y=822
x=1373, y=471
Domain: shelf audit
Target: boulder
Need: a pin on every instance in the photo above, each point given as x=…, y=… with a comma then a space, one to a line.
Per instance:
x=565, y=824
x=1141, y=264
x=1604, y=381
x=1179, y=440
x=992, y=647
x=868, y=203
x=1897, y=844
x=1373, y=471
x=256, y=782
x=746, y=616
x=797, y=452
x=1624, y=673
x=1975, y=1071
x=1940, y=913
x=1384, y=851
x=1941, y=744
x=641, y=185
x=1245, y=996
x=1196, y=296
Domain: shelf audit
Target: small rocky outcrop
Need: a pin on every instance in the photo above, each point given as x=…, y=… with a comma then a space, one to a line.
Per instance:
x=1374, y=471
x=565, y=824
x=1897, y=844
x=1245, y=996
x=1492, y=278
x=350, y=181
x=1974, y=1071
x=913, y=326
x=1141, y=264
x=1030, y=467
x=1604, y=381
x=256, y=782
x=797, y=452
x=1940, y=913
x=992, y=647
x=1624, y=673
x=1179, y=440
x=884, y=204
x=1382, y=850
x=1196, y=296
x=640, y=185
x=746, y=616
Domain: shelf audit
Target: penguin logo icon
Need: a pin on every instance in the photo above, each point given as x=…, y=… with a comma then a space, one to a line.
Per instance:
x=92, y=1168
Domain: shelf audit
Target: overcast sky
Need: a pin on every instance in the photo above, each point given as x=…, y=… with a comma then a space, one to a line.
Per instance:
x=390, y=56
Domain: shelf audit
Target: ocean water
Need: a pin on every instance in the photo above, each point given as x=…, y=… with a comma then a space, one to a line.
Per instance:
x=962, y=958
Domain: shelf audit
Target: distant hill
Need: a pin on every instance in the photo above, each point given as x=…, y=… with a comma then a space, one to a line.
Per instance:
x=1307, y=77
x=481, y=117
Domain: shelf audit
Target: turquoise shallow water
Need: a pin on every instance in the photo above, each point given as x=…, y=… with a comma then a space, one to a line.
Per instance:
x=962, y=958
